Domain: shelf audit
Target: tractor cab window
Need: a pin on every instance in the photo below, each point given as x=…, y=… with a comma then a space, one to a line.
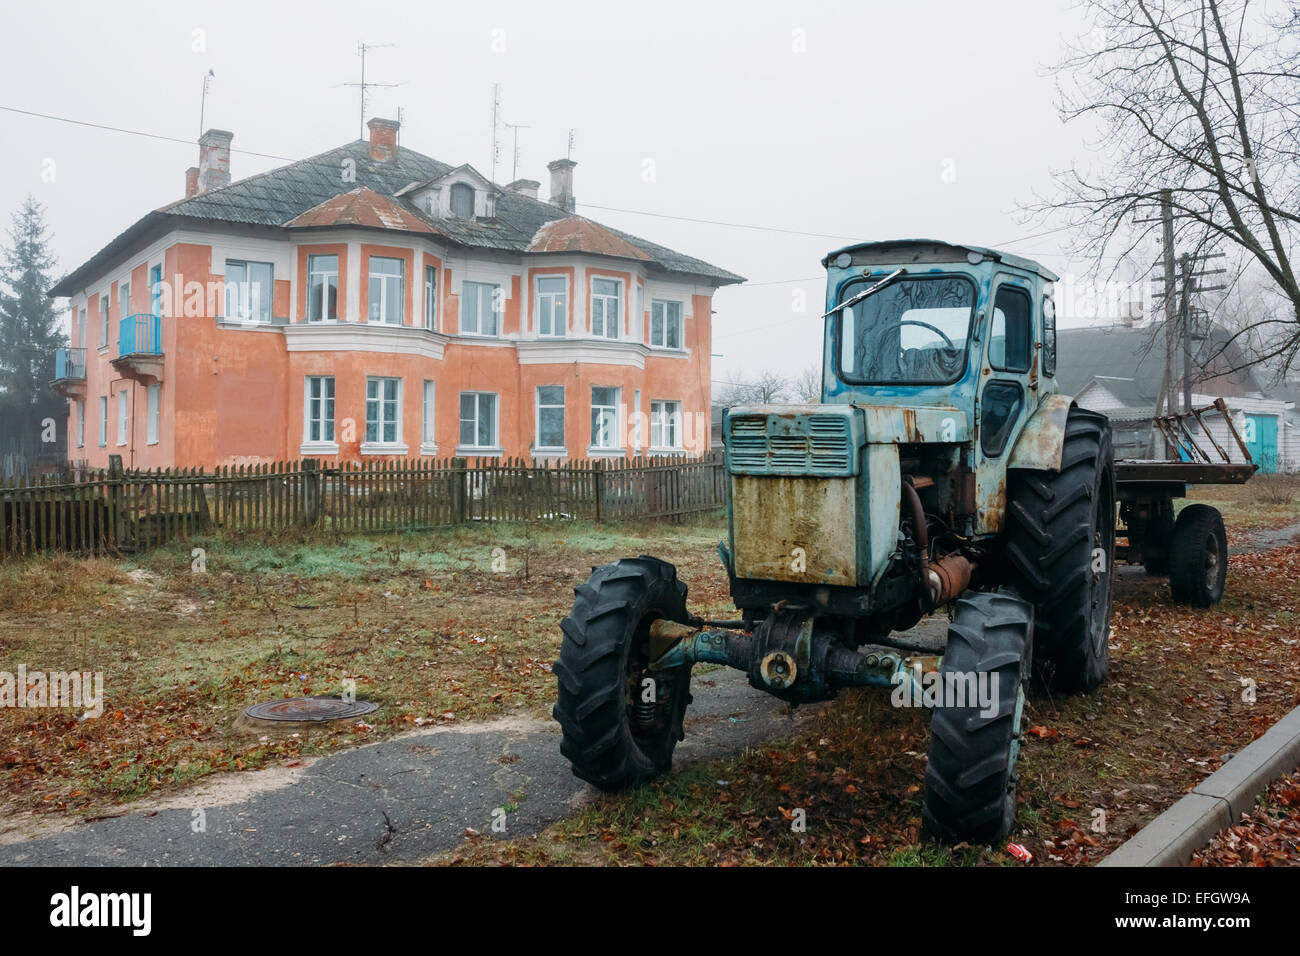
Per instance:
x=912, y=331
x=1011, y=336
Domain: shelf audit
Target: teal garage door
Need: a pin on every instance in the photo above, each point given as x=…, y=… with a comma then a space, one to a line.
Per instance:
x=1260, y=435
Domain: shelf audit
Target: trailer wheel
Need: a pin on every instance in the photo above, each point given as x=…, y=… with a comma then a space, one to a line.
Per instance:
x=970, y=779
x=612, y=735
x=1198, y=559
x=1061, y=547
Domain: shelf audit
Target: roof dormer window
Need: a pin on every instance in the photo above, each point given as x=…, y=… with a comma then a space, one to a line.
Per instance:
x=462, y=201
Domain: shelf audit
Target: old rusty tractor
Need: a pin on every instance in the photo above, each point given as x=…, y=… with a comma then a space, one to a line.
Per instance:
x=942, y=469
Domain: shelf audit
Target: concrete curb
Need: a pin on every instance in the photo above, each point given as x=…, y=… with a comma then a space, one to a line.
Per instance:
x=1216, y=803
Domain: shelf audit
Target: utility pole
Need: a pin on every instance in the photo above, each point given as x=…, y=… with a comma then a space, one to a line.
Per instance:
x=1167, y=230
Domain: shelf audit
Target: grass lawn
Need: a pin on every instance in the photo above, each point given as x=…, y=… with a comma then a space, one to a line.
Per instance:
x=422, y=623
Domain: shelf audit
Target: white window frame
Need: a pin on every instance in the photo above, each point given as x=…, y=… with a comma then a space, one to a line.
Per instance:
x=311, y=274
x=605, y=299
x=327, y=443
x=593, y=447
x=81, y=423
x=662, y=341
x=386, y=280
x=123, y=415
x=665, y=412
x=431, y=298
x=103, y=320
x=243, y=311
x=379, y=446
x=495, y=447
x=103, y=421
x=546, y=307
x=494, y=290
x=537, y=421
x=123, y=300
x=429, y=419
x=153, y=410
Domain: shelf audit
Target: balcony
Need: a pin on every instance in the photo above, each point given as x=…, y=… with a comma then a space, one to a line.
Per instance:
x=139, y=347
x=70, y=372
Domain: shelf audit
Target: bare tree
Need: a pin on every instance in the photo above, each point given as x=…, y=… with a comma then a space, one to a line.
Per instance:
x=807, y=386
x=762, y=388
x=1200, y=98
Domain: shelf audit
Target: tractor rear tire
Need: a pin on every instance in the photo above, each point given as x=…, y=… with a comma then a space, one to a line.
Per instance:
x=1198, y=560
x=1061, y=547
x=613, y=737
x=970, y=779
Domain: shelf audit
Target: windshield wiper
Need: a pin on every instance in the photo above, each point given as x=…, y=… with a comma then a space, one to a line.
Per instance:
x=866, y=292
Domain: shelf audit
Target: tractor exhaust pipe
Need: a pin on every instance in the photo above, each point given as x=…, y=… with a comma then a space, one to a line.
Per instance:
x=946, y=578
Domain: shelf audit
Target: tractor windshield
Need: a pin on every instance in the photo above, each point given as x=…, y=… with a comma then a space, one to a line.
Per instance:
x=912, y=331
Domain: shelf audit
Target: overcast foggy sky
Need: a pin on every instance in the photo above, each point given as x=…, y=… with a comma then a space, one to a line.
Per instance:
x=849, y=138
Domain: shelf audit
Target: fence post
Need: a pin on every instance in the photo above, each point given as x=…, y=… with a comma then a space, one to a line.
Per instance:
x=459, y=491
x=117, y=511
x=598, y=478
x=311, y=492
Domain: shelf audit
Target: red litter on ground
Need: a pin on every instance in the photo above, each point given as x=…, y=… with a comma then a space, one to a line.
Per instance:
x=1019, y=852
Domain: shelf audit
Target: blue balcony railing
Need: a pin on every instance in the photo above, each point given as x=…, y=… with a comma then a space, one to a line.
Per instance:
x=139, y=334
x=69, y=364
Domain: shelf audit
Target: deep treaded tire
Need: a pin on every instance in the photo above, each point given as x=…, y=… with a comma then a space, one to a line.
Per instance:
x=1198, y=559
x=611, y=738
x=970, y=779
x=1055, y=523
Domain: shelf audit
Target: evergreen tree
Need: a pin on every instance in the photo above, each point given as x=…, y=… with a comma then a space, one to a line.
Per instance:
x=29, y=334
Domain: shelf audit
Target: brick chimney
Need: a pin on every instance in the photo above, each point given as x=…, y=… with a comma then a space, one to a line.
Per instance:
x=383, y=138
x=214, y=159
x=562, y=183
x=525, y=187
x=191, y=182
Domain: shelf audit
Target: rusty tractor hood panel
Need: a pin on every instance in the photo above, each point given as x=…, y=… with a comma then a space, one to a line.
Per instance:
x=920, y=424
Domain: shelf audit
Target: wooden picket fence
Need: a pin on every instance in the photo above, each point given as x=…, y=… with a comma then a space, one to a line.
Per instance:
x=111, y=511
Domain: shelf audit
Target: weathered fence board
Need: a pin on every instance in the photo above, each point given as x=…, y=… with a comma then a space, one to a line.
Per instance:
x=124, y=510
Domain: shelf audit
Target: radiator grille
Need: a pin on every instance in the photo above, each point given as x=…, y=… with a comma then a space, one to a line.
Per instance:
x=783, y=445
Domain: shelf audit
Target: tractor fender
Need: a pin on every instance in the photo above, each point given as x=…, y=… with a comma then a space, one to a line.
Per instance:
x=1043, y=437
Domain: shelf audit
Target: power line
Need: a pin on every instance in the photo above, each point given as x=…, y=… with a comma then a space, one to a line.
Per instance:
x=634, y=212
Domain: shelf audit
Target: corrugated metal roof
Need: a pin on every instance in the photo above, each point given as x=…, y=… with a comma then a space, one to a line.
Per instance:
x=280, y=196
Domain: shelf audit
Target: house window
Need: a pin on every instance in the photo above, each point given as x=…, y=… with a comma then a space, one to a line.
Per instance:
x=665, y=424
x=606, y=297
x=155, y=290
x=604, y=417
x=103, y=321
x=322, y=288
x=427, y=439
x=124, y=300
x=478, y=420
x=550, y=417
x=665, y=324
x=383, y=407
x=103, y=420
x=462, y=201
x=387, y=279
x=318, y=420
x=81, y=424
x=479, y=304
x=81, y=329
x=552, y=293
x=431, y=298
x=153, y=395
x=249, y=290
x=121, y=417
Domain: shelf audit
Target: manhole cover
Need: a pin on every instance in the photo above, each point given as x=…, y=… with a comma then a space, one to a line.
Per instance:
x=310, y=708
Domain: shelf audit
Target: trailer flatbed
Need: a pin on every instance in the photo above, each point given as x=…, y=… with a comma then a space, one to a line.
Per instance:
x=1137, y=471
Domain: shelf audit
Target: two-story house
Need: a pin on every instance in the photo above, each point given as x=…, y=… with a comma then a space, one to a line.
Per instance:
x=372, y=301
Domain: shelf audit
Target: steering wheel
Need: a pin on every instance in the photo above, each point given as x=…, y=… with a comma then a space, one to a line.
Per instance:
x=926, y=325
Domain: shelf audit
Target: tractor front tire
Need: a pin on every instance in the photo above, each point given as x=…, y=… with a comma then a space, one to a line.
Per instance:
x=1198, y=560
x=1061, y=547
x=970, y=778
x=612, y=735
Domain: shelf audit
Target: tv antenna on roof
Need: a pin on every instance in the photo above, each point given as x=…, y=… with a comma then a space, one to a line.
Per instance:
x=570, y=153
x=203, y=103
x=362, y=49
x=516, y=127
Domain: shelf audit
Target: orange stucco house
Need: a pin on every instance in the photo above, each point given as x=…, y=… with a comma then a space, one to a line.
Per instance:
x=372, y=301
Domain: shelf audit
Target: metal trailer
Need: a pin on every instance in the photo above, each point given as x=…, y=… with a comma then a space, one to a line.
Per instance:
x=1191, y=550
